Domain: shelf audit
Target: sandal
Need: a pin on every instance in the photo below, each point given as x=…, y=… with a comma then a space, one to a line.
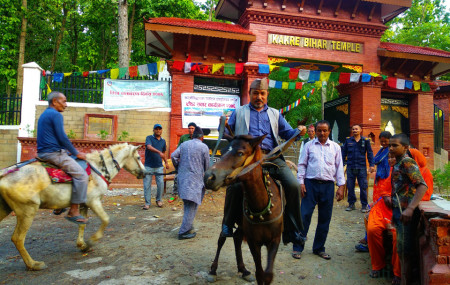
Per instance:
x=397, y=280
x=145, y=207
x=296, y=254
x=159, y=204
x=323, y=254
x=375, y=273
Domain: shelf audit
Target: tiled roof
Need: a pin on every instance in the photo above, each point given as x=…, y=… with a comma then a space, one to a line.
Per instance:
x=205, y=25
x=414, y=49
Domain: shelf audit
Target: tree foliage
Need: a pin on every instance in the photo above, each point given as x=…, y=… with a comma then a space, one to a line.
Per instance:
x=426, y=23
x=79, y=35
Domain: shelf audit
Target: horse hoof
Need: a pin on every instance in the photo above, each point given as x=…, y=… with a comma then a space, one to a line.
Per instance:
x=38, y=265
x=211, y=278
x=247, y=276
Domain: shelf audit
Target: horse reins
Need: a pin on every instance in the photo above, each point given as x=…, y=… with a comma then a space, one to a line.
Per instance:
x=107, y=175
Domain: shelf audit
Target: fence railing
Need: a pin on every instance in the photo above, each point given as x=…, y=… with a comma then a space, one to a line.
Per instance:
x=78, y=88
x=10, y=109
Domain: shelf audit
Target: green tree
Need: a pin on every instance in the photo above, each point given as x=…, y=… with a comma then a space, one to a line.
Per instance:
x=426, y=23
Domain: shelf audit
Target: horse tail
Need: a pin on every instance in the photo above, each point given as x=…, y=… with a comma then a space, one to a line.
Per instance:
x=5, y=210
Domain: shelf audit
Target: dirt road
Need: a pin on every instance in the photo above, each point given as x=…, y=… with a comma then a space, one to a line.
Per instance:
x=141, y=247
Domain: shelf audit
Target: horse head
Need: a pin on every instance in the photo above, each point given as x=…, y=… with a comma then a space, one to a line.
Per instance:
x=242, y=152
x=133, y=163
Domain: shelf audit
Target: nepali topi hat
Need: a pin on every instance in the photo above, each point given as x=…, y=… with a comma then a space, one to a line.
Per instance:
x=260, y=83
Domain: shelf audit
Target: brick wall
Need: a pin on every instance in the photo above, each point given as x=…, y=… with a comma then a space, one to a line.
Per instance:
x=8, y=147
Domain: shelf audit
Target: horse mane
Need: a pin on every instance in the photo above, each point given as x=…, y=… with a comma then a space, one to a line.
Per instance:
x=94, y=156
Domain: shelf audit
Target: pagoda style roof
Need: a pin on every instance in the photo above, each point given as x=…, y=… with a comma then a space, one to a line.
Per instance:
x=160, y=32
x=198, y=24
x=409, y=61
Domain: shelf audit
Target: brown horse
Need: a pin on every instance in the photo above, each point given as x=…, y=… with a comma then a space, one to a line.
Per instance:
x=263, y=204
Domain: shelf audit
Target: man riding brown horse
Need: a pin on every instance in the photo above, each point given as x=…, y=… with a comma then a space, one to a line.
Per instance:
x=257, y=119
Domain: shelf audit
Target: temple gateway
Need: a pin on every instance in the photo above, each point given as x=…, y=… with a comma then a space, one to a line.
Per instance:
x=382, y=86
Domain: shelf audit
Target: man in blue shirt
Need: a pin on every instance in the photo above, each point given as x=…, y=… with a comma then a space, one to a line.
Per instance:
x=155, y=148
x=258, y=119
x=53, y=146
x=354, y=153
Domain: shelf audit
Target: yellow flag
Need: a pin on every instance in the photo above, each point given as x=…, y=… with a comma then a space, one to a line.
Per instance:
x=67, y=74
x=304, y=98
x=114, y=73
x=324, y=76
x=271, y=67
x=48, y=89
x=216, y=67
x=374, y=74
x=285, y=85
x=161, y=65
x=416, y=85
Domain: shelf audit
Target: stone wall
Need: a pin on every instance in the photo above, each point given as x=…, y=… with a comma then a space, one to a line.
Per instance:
x=440, y=160
x=8, y=147
x=138, y=123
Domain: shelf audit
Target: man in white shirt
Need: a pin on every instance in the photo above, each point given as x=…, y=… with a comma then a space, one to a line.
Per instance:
x=320, y=165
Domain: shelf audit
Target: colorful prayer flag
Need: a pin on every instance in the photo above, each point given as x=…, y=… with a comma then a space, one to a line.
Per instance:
x=263, y=69
x=123, y=72
x=229, y=69
x=133, y=71
x=366, y=77
x=344, y=78
x=314, y=75
x=303, y=74
x=416, y=85
x=143, y=69
x=293, y=73
x=177, y=65
x=425, y=87
x=354, y=77
x=216, y=67
x=239, y=68
x=114, y=73
x=284, y=85
x=298, y=85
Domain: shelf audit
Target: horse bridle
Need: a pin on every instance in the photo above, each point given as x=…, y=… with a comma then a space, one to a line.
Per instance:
x=105, y=169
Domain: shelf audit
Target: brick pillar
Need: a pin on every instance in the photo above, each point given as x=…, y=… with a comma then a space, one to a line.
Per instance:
x=365, y=101
x=250, y=74
x=182, y=83
x=421, y=120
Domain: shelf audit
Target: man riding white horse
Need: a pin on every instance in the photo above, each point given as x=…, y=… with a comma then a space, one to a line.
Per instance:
x=53, y=146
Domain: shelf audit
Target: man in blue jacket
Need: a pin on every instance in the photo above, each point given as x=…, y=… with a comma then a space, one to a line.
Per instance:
x=354, y=153
x=54, y=147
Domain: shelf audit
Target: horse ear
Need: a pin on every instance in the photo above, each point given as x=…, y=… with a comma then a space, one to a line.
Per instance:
x=256, y=141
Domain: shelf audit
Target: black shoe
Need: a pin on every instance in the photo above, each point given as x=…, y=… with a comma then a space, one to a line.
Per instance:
x=187, y=235
x=350, y=207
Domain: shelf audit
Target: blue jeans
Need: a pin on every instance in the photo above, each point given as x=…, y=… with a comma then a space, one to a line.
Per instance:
x=361, y=175
x=148, y=184
x=322, y=195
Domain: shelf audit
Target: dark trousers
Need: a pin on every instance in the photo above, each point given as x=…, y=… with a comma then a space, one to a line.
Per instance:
x=322, y=195
x=361, y=175
x=292, y=217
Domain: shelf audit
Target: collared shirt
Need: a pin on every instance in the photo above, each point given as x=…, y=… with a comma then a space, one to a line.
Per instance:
x=184, y=138
x=405, y=178
x=50, y=133
x=322, y=162
x=152, y=159
x=260, y=125
x=354, y=152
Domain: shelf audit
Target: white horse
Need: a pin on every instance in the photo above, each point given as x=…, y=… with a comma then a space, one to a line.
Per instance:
x=29, y=189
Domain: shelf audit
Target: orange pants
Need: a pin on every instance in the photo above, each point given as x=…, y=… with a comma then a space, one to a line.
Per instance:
x=375, y=227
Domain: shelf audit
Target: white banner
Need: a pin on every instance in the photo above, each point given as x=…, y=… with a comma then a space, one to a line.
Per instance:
x=135, y=94
x=205, y=109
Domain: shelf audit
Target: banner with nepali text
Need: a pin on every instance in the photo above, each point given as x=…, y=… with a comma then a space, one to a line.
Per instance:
x=135, y=94
x=205, y=109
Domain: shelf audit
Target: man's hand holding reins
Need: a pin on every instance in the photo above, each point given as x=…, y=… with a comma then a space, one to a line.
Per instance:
x=81, y=155
x=302, y=130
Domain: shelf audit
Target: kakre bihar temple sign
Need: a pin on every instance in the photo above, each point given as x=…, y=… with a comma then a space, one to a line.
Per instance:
x=306, y=42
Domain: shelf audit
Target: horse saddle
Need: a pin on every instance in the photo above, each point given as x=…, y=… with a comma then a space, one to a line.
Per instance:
x=57, y=175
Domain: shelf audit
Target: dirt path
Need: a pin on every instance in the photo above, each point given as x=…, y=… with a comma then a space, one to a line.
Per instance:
x=141, y=247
